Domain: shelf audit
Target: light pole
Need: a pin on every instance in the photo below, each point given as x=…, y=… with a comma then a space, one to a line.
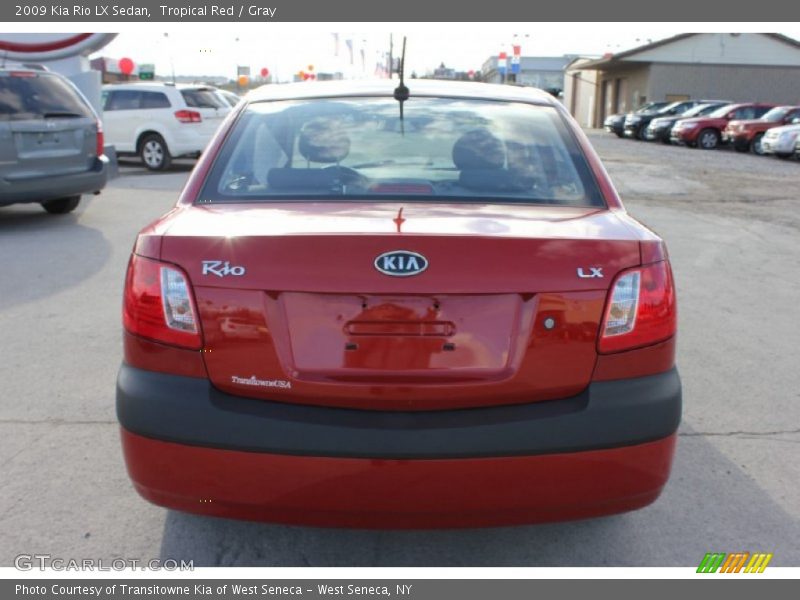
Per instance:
x=169, y=51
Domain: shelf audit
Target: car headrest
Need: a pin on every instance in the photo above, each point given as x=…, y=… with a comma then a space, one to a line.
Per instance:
x=324, y=140
x=479, y=149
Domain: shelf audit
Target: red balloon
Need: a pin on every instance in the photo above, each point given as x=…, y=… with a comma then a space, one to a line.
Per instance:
x=264, y=72
x=125, y=66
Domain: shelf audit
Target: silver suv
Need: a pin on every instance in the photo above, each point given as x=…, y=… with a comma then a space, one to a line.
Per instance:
x=51, y=141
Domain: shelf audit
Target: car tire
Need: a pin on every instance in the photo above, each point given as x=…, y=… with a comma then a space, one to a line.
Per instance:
x=154, y=153
x=619, y=134
x=641, y=133
x=61, y=206
x=708, y=139
x=755, y=145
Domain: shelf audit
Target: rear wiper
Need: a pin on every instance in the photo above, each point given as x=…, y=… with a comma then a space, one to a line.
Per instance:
x=61, y=115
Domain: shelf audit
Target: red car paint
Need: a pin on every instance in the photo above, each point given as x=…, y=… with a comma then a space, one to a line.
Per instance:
x=365, y=493
x=499, y=319
x=742, y=134
x=687, y=131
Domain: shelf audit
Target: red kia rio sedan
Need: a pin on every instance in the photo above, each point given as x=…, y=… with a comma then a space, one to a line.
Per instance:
x=378, y=307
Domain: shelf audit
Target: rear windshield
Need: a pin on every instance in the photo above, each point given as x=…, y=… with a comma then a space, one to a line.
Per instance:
x=441, y=148
x=201, y=99
x=27, y=95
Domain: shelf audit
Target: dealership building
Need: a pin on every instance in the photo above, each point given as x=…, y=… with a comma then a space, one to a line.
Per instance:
x=544, y=72
x=740, y=67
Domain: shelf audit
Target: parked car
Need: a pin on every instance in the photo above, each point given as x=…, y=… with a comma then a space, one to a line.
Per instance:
x=51, y=141
x=706, y=132
x=636, y=123
x=660, y=128
x=616, y=123
x=781, y=141
x=451, y=320
x=161, y=121
x=230, y=98
x=746, y=135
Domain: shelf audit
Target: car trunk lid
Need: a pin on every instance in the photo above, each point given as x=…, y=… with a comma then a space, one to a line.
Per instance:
x=293, y=307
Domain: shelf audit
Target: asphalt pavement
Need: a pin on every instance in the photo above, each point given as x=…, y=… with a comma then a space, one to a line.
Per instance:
x=735, y=480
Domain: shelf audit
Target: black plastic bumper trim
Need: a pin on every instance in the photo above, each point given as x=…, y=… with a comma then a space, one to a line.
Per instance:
x=191, y=411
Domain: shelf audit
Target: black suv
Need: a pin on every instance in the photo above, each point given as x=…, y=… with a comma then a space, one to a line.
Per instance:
x=616, y=123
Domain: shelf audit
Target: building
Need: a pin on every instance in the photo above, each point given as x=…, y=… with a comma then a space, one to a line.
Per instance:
x=443, y=72
x=579, y=91
x=110, y=71
x=740, y=67
x=544, y=72
x=64, y=53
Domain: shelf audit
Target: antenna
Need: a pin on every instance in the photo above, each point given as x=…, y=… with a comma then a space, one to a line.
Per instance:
x=401, y=92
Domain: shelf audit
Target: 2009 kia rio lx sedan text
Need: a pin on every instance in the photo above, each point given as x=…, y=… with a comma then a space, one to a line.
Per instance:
x=373, y=309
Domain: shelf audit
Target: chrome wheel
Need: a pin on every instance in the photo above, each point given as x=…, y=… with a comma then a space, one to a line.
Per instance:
x=708, y=139
x=153, y=154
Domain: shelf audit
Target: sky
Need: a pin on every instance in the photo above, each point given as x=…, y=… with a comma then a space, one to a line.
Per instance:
x=286, y=48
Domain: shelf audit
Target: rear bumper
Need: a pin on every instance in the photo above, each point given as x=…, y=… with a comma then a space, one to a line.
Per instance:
x=41, y=189
x=190, y=447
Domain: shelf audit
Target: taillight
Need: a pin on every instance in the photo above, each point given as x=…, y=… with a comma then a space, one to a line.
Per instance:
x=188, y=116
x=100, y=146
x=158, y=304
x=641, y=309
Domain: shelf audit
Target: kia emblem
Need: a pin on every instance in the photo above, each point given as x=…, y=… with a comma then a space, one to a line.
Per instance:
x=401, y=263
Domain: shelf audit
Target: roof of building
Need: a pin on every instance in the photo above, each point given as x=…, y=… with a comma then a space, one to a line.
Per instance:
x=621, y=56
